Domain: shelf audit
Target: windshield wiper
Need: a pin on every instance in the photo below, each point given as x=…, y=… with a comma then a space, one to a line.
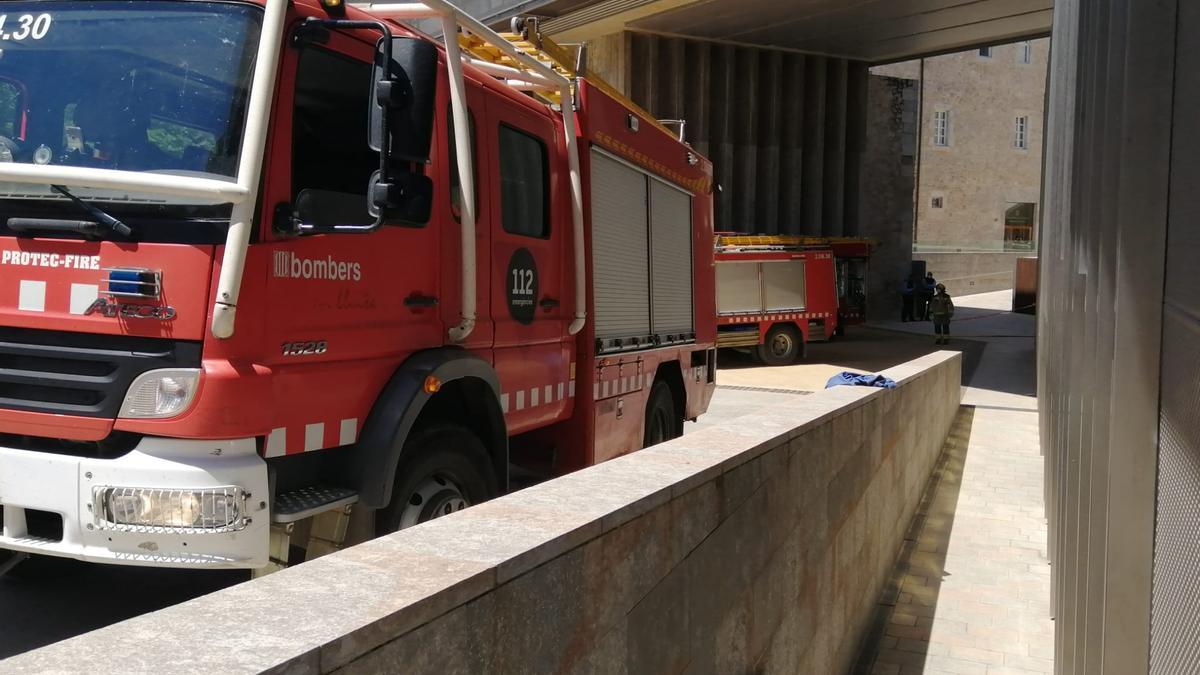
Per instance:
x=104, y=222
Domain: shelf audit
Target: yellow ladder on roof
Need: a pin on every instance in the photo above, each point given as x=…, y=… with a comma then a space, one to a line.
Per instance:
x=530, y=41
x=784, y=240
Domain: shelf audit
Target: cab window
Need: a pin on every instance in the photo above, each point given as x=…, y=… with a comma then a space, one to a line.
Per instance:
x=524, y=184
x=10, y=110
x=329, y=126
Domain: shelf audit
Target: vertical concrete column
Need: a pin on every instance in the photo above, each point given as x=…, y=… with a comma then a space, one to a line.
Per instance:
x=608, y=57
x=1115, y=125
x=856, y=145
x=769, y=105
x=698, y=79
x=743, y=108
x=791, y=143
x=644, y=69
x=834, y=192
x=722, y=144
x=812, y=190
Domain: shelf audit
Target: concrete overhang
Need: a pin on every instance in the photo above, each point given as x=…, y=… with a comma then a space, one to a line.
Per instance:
x=875, y=31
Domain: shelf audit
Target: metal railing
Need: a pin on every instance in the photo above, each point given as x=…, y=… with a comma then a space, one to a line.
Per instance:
x=974, y=246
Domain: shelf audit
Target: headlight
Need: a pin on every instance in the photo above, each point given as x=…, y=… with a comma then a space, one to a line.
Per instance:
x=161, y=393
x=208, y=510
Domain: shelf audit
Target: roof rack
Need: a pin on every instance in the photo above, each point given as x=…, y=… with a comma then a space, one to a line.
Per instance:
x=783, y=241
x=522, y=69
x=527, y=37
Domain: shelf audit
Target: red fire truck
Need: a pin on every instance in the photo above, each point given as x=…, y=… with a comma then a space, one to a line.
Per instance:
x=777, y=293
x=260, y=261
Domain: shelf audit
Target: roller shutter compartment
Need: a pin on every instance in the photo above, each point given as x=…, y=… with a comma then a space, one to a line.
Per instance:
x=783, y=285
x=738, y=288
x=671, y=263
x=620, y=253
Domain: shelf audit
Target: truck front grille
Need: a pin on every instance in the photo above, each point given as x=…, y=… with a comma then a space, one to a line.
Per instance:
x=80, y=373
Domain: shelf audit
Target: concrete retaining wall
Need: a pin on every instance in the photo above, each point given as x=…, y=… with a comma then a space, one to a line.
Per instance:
x=761, y=544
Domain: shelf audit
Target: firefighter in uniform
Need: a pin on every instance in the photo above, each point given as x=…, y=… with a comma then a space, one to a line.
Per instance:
x=941, y=308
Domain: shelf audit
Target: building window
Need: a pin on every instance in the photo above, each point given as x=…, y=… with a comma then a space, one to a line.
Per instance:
x=1021, y=133
x=937, y=202
x=524, y=184
x=941, y=128
x=1025, y=52
x=985, y=52
x=1018, y=227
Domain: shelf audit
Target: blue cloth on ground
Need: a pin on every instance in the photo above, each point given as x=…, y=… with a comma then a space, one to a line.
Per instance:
x=846, y=378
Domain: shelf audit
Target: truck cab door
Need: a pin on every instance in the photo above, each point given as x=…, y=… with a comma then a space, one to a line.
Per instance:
x=530, y=227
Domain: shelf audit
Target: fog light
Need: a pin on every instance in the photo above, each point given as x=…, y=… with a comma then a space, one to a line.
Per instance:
x=210, y=510
x=161, y=393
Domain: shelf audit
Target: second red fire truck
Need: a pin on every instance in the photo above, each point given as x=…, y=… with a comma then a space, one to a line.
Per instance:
x=777, y=293
x=261, y=261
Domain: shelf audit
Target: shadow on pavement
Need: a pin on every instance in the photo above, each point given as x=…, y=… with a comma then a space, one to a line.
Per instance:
x=44, y=600
x=899, y=637
x=865, y=349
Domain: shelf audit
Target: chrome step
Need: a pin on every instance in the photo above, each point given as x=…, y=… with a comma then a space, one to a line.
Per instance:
x=304, y=502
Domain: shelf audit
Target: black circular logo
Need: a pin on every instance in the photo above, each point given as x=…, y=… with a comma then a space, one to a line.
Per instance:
x=522, y=281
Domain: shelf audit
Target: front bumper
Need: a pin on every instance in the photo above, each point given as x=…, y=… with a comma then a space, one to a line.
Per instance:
x=64, y=485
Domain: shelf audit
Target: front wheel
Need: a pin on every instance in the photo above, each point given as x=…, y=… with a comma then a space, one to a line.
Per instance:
x=443, y=469
x=782, y=346
x=662, y=422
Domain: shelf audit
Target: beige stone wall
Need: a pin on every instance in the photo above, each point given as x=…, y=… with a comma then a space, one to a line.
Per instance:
x=979, y=174
x=759, y=545
x=888, y=173
x=608, y=57
x=967, y=273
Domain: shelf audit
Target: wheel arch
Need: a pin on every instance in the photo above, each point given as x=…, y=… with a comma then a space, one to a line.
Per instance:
x=468, y=387
x=671, y=373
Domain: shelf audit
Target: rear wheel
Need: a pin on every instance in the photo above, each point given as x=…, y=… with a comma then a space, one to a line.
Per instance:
x=443, y=469
x=662, y=422
x=782, y=346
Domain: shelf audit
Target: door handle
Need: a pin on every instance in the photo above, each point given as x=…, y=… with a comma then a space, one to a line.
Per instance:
x=548, y=303
x=418, y=300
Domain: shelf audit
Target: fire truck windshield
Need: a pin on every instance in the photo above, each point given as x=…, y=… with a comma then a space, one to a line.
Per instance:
x=140, y=85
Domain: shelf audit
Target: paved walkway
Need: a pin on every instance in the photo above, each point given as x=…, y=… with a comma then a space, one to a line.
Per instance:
x=972, y=589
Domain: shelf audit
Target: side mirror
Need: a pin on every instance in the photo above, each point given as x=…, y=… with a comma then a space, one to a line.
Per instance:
x=402, y=99
x=406, y=198
x=326, y=209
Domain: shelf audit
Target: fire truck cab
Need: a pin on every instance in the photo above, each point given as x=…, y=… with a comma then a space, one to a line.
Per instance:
x=265, y=266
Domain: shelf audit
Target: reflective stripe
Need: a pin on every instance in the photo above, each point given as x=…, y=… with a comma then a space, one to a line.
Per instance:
x=32, y=296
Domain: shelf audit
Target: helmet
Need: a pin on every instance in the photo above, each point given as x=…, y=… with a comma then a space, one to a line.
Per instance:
x=940, y=287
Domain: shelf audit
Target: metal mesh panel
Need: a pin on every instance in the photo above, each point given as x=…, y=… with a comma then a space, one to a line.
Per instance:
x=1175, y=615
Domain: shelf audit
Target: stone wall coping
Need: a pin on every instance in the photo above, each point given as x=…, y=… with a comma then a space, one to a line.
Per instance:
x=319, y=616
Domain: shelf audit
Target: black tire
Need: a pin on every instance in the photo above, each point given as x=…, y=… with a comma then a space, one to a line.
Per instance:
x=442, y=469
x=781, y=347
x=663, y=422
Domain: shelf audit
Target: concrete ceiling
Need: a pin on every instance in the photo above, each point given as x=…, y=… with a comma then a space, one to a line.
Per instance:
x=868, y=30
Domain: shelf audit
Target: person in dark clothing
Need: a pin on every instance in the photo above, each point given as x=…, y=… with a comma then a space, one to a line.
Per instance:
x=907, y=290
x=926, y=291
x=941, y=309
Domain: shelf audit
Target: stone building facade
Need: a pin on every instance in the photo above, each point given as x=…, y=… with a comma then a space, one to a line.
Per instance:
x=979, y=173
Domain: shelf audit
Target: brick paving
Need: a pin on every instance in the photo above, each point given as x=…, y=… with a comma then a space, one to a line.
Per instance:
x=971, y=592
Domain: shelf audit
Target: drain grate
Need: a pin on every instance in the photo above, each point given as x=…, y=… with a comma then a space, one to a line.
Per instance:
x=766, y=390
